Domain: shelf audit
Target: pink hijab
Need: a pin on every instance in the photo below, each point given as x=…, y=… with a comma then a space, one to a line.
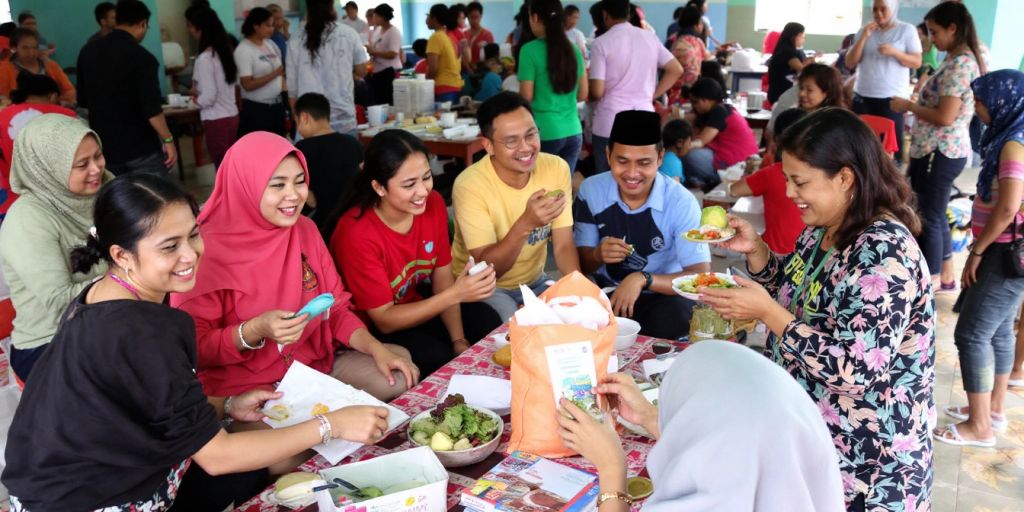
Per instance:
x=244, y=252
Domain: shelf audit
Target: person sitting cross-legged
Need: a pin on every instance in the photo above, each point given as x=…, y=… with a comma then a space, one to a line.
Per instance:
x=629, y=227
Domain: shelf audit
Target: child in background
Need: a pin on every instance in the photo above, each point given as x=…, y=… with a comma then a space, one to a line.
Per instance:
x=419, y=47
x=675, y=138
x=781, y=216
x=487, y=81
x=333, y=159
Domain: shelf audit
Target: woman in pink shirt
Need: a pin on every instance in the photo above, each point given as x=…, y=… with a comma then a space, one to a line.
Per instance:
x=722, y=138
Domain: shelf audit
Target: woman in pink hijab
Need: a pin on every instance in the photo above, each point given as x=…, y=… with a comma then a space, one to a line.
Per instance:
x=263, y=262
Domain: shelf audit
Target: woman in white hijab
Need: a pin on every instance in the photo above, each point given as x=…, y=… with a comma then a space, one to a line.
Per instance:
x=884, y=52
x=739, y=434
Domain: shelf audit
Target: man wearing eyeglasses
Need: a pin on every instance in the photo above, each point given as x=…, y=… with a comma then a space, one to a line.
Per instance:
x=510, y=203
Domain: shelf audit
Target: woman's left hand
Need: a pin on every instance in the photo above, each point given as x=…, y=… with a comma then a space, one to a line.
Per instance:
x=749, y=302
x=900, y=105
x=248, y=406
x=970, y=275
x=388, y=361
x=596, y=442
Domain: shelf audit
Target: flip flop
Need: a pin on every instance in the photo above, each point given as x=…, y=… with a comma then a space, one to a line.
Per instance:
x=951, y=436
x=1016, y=383
x=999, y=422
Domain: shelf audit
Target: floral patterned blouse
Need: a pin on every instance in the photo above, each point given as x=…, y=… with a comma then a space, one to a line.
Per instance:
x=162, y=499
x=953, y=78
x=689, y=51
x=862, y=347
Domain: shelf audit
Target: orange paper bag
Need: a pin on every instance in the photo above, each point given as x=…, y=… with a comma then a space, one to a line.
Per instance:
x=534, y=428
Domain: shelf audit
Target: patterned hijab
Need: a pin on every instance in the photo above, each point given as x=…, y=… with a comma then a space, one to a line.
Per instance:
x=1002, y=93
x=44, y=151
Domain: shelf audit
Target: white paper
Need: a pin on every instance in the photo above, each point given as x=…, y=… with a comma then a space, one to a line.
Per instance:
x=305, y=389
x=482, y=391
x=657, y=366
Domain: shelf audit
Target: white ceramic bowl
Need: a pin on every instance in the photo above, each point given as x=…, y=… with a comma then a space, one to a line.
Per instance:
x=628, y=330
x=460, y=458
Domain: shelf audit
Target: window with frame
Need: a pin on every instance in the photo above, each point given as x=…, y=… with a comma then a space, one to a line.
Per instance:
x=822, y=17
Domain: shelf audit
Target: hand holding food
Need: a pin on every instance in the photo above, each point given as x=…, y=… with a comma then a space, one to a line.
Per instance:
x=542, y=209
x=748, y=301
x=613, y=250
x=359, y=423
x=691, y=286
x=476, y=286
x=746, y=239
x=248, y=406
x=627, y=399
x=714, y=226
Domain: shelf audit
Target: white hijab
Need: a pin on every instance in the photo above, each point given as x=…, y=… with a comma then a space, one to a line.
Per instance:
x=894, y=10
x=738, y=433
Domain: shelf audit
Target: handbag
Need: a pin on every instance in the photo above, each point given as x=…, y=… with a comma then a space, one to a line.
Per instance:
x=1015, y=267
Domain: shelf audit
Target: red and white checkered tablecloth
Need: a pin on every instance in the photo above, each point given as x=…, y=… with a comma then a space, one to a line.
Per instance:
x=475, y=361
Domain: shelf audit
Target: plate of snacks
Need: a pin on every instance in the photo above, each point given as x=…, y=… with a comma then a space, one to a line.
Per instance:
x=714, y=227
x=688, y=285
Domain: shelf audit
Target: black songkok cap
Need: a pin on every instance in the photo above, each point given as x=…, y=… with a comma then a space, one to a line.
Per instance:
x=636, y=128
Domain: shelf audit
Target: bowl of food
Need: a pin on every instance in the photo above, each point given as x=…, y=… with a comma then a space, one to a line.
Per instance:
x=687, y=286
x=459, y=434
x=627, y=333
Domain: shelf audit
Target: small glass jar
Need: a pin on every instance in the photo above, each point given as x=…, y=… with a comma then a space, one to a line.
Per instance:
x=706, y=324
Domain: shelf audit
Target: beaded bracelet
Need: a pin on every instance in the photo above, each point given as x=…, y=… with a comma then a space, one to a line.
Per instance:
x=245, y=344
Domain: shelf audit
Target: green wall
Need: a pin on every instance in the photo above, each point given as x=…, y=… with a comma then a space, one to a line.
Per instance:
x=69, y=25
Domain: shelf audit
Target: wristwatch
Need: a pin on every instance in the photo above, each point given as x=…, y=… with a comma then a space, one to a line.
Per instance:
x=648, y=280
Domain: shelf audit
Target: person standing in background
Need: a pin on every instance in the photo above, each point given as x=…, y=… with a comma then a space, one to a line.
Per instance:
x=624, y=67
x=214, y=78
x=106, y=18
x=787, y=60
x=120, y=86
x=281, y=24
x=477, y=37
x=352, y=20
x=884, y=52
x=443, y=63
x=260, y=69
x=385, y=48
x=575, y=35
x=28, y=21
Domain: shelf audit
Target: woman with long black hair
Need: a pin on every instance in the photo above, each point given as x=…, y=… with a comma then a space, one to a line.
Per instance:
x=259, y=74
x=553, y=79
x=787, y=60
x=327, y=57
x=213, y=78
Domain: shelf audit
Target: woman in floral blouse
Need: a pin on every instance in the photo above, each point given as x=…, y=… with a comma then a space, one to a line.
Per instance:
x=940, y=139
x=854, y=322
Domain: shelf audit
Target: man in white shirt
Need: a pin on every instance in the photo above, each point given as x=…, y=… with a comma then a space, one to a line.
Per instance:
x=352, y=19
x=575, y=35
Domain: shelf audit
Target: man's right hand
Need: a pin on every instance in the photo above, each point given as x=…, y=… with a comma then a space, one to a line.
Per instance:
x=541, y=209
x=612, y=250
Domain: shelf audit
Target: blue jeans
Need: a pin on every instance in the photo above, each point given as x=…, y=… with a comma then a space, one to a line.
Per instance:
x=568, y=148
x=505, y=301
x=599, y=146
x=984, y=332
x=699, y=165
x=932, y=178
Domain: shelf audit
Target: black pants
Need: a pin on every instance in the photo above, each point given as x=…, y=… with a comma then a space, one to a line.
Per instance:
x=200, y=492
x=430, y=343
x=663, y=316
x=932, y=178
x=22, y=360
x=381, y=86
x=261, y=117
x=880, y=107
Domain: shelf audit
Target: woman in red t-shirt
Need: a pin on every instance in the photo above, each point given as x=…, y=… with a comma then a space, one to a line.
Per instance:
x=392, y=248
x=722, y=136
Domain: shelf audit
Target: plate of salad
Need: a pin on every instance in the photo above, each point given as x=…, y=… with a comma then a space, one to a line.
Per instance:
x=458, y=433
x=714, y=227
x=688, y=285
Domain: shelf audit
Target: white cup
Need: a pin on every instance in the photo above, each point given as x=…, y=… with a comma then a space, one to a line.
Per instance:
x=176, y=100
x=400, y=116
x=421, y=76
x=377, y=114
x=448, y=119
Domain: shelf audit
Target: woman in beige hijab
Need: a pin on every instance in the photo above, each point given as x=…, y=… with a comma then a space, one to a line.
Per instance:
x=57, y=169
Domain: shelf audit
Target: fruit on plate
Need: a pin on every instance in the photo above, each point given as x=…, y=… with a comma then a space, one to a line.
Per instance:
x=714, y=216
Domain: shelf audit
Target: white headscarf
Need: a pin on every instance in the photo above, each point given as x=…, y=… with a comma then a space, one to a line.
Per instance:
x=738, y=433
x=894, y=10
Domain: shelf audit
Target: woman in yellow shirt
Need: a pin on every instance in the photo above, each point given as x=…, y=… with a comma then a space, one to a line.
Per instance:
x=443, y=63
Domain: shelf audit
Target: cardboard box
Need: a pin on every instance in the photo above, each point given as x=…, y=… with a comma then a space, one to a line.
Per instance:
x=393, y=470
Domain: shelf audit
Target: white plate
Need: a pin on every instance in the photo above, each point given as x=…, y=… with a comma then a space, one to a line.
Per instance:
x=691, y=277
x=686, y=236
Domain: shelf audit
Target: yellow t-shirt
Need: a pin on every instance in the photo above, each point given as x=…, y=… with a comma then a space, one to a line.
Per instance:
x=449, y=66
x=486, y=208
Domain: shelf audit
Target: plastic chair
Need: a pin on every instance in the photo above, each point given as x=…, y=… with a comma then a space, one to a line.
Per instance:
x=885, y=128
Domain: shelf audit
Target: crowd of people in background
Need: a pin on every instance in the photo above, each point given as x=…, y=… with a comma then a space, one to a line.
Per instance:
x=150, y=320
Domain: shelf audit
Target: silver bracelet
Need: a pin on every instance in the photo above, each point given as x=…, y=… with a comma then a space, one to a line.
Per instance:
x=245, y=344
x=227, y=406
x=325, y=429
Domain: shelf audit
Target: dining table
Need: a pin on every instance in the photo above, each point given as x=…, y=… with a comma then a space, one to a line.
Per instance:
x=477, y=360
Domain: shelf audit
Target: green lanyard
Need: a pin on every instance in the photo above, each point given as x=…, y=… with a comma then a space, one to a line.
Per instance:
x=799, y=296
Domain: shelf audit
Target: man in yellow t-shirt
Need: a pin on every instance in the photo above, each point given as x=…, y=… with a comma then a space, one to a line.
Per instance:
x=443, y=63
x=511, y=202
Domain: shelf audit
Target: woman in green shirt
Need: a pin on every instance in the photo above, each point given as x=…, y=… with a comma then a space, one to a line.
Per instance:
x=552, y=78
x=57, y=170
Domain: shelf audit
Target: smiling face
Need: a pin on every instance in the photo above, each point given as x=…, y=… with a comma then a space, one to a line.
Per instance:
x=944, y=38
x=285, y=194
x=407, y=191
x=822, y=200
x=86, y=168
x=811, y=96
x=634, y=169
x=167, y=258
x=515, y=142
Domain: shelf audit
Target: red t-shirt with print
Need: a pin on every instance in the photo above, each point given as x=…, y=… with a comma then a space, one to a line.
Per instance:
x=380, y=265
x=782, y=224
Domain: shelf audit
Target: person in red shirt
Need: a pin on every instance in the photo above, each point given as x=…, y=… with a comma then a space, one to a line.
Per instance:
x=419, y=47
x=34, y=96
x=392, y=247
x=477, y=37
x=781, y=215
x=263, y=261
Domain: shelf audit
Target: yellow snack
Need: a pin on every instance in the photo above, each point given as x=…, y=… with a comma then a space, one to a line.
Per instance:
x=319, y=409
x=279, y=412
x=425, y=119
x=503, y=356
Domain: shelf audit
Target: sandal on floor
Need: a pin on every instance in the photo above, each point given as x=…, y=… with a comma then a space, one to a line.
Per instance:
x=951, y=436
x=1016, y=383
x=999, y=422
